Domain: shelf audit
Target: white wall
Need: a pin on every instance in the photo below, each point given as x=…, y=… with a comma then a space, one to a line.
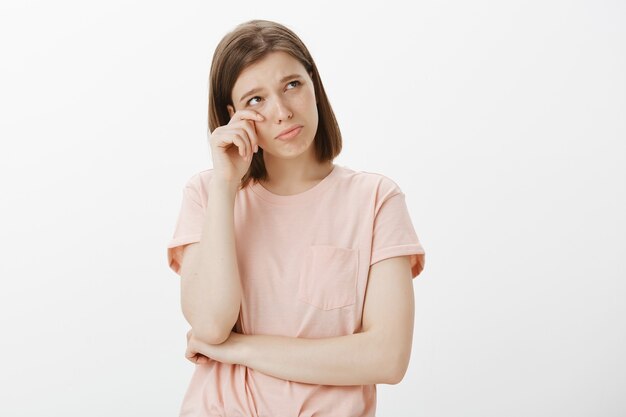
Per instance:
x=503, y=122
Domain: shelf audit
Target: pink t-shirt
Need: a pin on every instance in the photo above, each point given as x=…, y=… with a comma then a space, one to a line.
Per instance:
x=304, y=262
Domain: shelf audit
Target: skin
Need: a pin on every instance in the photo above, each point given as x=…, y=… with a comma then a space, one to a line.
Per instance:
x=291, y=165
x=284, y=97
x=380, y=352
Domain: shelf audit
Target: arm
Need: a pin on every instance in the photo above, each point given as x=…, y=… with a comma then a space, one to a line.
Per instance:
x=210, y=284
x=378, y=354
x=354, y=359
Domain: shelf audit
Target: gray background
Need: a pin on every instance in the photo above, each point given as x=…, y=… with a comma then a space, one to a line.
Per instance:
x=503, y=122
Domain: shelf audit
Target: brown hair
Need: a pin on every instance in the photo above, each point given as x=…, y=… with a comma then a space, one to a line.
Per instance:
x=246, y=44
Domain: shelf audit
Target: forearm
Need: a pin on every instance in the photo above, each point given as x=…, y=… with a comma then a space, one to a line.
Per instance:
x=356, y=359
x=212, y=290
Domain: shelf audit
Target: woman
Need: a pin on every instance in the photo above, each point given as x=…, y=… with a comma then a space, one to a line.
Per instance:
x=296, y=273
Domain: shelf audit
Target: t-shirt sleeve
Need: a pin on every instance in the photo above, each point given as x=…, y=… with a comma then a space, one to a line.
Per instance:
x=188, y=227
x=393, y=233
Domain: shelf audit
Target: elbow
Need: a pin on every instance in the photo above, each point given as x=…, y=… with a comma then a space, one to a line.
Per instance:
x=210, y=325
x=212, y=340
x=206, y=333
x=397, y=370
x=396, y=376
x=392, y=359
x=210, y=337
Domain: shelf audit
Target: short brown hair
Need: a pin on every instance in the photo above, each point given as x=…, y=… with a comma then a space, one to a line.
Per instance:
x=246, y=44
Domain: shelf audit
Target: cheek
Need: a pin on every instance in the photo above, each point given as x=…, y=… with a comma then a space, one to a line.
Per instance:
x=305, y=103
x=309, y=96
x=262, y=133
x=261, y=136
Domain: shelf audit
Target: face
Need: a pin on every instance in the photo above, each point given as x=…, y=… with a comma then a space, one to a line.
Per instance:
x=282, y=88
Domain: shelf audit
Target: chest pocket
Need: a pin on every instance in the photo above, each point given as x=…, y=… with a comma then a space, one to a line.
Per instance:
x=328, y=276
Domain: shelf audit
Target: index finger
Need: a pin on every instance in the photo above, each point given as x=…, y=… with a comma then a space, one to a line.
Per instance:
x=246, y=114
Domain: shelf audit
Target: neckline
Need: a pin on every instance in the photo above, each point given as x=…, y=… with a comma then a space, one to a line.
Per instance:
x=303, y=197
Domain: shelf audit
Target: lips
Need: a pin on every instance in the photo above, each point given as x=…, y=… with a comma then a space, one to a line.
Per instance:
x=289, y=129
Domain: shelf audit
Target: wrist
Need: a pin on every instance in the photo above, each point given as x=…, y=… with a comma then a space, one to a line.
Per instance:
x=224, y=188
x=241, y=348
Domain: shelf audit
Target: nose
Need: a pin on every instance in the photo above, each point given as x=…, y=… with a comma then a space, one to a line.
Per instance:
x=282, y=111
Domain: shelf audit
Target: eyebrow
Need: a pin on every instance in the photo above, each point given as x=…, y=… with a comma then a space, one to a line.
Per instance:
x=282, y=80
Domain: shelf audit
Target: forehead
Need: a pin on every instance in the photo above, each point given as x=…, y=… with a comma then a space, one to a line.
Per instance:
x=268, y=71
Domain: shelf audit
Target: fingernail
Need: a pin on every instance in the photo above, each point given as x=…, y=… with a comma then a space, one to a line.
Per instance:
x=260, y=117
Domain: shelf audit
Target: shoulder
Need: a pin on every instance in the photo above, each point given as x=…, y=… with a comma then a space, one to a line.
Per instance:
x=378, y=184
x=196, y=186
x=199, y=180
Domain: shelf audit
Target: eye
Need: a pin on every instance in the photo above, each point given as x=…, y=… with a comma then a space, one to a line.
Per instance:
x=291, y=82
x=252, y=99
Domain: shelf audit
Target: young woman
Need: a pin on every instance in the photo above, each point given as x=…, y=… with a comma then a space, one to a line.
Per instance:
x=296, y=273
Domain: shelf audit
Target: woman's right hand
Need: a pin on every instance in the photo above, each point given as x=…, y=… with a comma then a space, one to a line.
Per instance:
x=233, y=144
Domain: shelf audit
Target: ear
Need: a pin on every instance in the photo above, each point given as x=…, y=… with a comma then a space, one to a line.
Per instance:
x=231, y=110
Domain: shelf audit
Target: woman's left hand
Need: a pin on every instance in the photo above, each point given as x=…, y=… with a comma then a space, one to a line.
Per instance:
x=229, y=352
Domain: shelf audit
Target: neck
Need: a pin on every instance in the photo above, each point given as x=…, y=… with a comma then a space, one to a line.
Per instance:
x=293, y=176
